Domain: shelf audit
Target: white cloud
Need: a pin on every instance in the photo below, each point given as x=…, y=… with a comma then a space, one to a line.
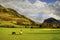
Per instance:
x=55, y=9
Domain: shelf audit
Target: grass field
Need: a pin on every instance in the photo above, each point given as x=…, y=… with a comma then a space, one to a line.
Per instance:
x=29, y=34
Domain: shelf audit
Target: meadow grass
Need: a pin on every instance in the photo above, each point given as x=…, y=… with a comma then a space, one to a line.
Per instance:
x=29, y=34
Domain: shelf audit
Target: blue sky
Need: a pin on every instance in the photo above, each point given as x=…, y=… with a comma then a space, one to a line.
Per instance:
x=48, y=1
x=32, y=1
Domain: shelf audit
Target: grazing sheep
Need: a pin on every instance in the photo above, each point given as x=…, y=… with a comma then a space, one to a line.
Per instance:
x=13, y=33
x=21, y=32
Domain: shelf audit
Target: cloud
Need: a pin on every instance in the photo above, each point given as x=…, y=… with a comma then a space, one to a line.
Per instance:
x=37, y=11
x=55, y=9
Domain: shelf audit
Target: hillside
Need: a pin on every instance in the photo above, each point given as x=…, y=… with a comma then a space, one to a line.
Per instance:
x=51, y=23
x=9, y=17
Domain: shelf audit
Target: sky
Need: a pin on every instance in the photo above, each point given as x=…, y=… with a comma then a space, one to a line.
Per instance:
x=48, y=1
x=36, y=10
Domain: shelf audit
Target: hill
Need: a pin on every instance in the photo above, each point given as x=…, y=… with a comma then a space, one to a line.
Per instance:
x=10, y=18
x=51, y=23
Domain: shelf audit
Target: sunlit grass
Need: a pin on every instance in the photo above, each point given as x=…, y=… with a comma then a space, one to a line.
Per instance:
x=29, y=34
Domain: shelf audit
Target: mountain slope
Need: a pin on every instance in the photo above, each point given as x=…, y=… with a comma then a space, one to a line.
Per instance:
x=51, y=23
x=50, y=20
x=11, y=16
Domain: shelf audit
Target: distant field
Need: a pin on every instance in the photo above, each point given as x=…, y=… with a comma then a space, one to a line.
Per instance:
x=29, y=34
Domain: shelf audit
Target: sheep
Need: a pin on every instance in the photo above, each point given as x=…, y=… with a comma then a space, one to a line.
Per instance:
x=13, y=33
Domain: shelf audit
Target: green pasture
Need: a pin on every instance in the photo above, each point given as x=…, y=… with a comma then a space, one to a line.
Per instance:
x=29, y=34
